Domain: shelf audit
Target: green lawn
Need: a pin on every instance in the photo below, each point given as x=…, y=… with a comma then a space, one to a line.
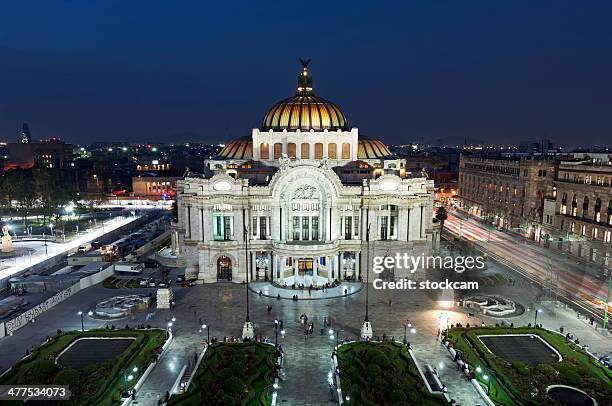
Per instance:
x=515, y=383
x=232, y=374
x=96, y=384
x=382, y=374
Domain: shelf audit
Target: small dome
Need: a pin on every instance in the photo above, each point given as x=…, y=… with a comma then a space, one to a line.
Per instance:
x=240, y=148
x=305, y=111
x=372, y=149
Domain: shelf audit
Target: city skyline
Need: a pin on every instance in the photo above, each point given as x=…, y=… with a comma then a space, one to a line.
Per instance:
x=484, y=72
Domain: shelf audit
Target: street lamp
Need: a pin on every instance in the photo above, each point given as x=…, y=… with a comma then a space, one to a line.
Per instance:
x=45, y=239
x=488, y=381
x=205, y=327
x=535, y=321
x=276, y=333
x=366, y=329
x=82, y=324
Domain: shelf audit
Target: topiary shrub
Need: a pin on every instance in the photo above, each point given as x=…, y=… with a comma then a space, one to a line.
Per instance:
x=239, y=368
x=373, y=371
x=379, y=358
x=68, y=376
x=227, y=400
x=90, y=369
x=226, y=373
x=41, y=371
x=546, y=370
x=234, y=385
x=398, y=396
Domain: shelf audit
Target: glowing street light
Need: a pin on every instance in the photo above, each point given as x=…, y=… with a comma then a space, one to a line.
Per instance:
x=535, y=321
x=82, y=324
x=207, y=328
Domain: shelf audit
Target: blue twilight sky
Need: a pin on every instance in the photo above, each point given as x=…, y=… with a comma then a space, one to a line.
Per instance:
x=497, y=71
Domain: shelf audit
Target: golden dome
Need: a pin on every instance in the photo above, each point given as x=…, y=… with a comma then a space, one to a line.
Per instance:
x=240, y=148
x=304, y=111
x=372, y=149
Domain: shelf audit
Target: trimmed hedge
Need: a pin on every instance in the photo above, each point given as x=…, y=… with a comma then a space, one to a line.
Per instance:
x=97, y=384
x=382, y=374
x=516, y=383
x=232, y=374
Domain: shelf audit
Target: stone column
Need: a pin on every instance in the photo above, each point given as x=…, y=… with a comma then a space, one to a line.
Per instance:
x=275, y=224
x=415, y=222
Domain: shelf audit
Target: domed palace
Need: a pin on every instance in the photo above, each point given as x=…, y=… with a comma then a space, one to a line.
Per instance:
x=293, y=201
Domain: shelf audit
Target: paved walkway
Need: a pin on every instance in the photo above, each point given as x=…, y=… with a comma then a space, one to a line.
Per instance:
x=267, y=289
x=307, y=363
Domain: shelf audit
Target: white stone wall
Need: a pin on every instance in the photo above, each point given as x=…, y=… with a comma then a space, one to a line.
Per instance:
x=223, y=193
x=309, y=137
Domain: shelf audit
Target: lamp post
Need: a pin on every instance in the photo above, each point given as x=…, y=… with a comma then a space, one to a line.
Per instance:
x=407, y=325
x=535, y=321
x=45, y=239
x=276, y=333
x=247, y=330
x=82, y=324
x=204, y=326
x=366, y=328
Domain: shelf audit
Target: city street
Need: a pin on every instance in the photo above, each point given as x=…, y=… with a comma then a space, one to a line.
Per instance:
x=43, y=250
x=571, y=279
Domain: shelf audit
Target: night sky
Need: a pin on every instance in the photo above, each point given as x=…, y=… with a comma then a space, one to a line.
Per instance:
x=497, y=71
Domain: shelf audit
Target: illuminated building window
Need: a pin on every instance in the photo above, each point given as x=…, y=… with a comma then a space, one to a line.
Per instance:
x=291, y=150
x=305, y=151
x=264, y=150
x=332, y=151
x=278, y=150
x=318, y=150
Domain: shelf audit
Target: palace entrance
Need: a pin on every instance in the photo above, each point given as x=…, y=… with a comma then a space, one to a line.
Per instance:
x=224, y=268
x=305, y=266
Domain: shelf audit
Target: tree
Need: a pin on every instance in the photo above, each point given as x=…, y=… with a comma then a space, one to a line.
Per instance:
x=441, y=215
x=25, y=194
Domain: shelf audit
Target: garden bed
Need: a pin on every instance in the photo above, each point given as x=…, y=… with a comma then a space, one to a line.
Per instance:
x=239, y=374
x=515, y=381
x=382, y=374
x=100, y=382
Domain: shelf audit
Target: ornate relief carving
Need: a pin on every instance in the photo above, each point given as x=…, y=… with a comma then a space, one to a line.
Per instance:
x=305, y=192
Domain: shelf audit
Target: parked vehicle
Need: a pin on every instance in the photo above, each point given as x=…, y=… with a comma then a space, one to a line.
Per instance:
x=84, y=247
x=128, y=268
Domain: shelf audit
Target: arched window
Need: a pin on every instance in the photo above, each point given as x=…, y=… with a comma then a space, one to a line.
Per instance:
x=346, y=150
x=305, y=151
x=598, y=210
x=585, y=207
x=574, y=206
x=331, y=150
x=264, y=150
x=564, y=203
x=291, y=150
x=278, y=150
x=610, y=212
x=318, y=150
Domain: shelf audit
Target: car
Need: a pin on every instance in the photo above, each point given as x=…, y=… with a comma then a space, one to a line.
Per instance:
x=187, y=284
x=162, y=284
x=152, y=284
x=145, y=282
x=180, y=278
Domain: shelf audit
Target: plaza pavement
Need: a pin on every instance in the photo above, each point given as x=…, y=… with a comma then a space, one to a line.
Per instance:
x=307, y=362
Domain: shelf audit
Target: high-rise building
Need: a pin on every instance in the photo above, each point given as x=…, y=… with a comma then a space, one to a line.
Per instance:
x=26, y=137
